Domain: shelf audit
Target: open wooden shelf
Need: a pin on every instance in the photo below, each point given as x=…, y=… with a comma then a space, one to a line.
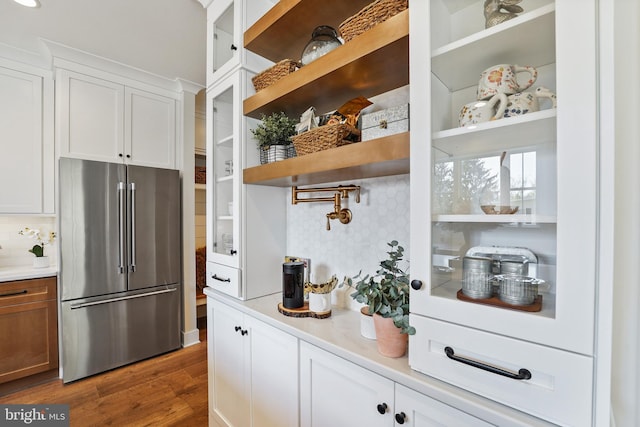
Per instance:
x=370, y=64
x=378, y=157
x=285, y=29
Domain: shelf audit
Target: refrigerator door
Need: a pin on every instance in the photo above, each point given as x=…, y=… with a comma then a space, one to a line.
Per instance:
x=92, y=226
x=106, y=332
x=153, y=227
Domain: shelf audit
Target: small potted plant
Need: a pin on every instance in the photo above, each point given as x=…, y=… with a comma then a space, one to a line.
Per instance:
x=273, y=135
x=386, y=294
x=40, y=260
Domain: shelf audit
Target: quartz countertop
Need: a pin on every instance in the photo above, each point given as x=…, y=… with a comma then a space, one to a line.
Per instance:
x=340, y=334
x=8, y=274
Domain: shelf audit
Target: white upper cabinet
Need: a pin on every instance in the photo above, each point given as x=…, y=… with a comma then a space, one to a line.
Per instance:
x=108, y=121
x=26, y=163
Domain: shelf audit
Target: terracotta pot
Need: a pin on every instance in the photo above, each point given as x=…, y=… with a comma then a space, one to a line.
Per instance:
x=367, y=328
x=391, y=342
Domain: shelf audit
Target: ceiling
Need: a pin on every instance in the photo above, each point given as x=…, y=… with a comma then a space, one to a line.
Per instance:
x=164, y=37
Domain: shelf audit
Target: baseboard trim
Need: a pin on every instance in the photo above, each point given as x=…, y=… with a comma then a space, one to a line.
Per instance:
x=190, y=338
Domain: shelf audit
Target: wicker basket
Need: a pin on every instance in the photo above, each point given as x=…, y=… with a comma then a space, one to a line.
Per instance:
x=201, y=175
x=322, y=138
x=370, y=16
x=273, y=74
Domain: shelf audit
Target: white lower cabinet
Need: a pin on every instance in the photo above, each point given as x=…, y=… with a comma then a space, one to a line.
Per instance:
x=335, y=392
x=253, y=371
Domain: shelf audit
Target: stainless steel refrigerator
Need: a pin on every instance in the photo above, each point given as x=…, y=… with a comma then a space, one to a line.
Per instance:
x=120, y=264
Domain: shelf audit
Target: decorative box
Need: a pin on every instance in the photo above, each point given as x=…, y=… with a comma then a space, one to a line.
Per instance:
x=385, y=122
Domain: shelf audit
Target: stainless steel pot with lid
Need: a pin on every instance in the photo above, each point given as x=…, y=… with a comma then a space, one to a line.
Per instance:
x=477, y=277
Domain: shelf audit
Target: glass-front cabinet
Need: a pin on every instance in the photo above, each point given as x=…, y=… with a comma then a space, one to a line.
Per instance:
x=503, y=250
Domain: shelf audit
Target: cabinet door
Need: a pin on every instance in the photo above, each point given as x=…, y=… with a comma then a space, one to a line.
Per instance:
x=150, y=129
x=274, y=376
x=335, y=392
x=21, y=142
x=417, y=410
x=89, y=117
x=542, y=163
x=228, y=365
x=224, y=172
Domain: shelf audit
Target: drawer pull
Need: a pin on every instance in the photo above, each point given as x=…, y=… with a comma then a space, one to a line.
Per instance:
x=10, y=294
x=523, y=374
x=220, y=279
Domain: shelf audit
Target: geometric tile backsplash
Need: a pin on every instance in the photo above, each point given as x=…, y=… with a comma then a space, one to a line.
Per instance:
x=381, y=216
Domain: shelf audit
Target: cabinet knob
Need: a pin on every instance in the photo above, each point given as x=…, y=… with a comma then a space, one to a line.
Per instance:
x=233, y=252
x=382, y=408
x=128, y=156
x=244, y=332
x=120, y=155
x=416, y=284
x=237, y=328
x=233, y=47
x=401, y=418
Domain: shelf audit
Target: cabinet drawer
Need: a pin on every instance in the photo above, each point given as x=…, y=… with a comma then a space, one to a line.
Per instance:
x=560, y=387
x=224, y=279
x=24, y=291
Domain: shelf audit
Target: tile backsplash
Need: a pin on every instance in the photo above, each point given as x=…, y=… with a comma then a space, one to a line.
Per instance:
x=381, y=216
x=15, y=247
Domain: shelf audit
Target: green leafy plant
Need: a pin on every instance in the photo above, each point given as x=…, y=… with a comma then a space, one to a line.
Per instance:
x=38, y=248
x=275, y=129
x=387, y=292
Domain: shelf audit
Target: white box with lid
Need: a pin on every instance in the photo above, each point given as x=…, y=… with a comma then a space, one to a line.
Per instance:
x=385, y=122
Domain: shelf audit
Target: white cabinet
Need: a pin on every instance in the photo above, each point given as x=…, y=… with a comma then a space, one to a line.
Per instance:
x=26, y=164
x=226, y=22
x=336, y=392
x=103, y=120
x=253, y=370
x=544, y=163
x=245, y=227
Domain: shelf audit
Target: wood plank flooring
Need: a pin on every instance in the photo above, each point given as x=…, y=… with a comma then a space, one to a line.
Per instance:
x=168, y=390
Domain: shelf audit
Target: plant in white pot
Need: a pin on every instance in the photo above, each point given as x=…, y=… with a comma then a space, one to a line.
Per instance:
x=38, y=249
x=386, y=293
x=273, y=135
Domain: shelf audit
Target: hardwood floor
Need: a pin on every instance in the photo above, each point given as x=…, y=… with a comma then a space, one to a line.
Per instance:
x=168, y=390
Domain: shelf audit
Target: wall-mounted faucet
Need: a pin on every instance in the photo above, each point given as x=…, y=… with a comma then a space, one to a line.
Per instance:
x=340, y=192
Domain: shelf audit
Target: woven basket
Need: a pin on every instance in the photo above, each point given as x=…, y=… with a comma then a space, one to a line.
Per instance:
x=201, y=175
x=273, y=74
x=370, y=16
x=322, y=138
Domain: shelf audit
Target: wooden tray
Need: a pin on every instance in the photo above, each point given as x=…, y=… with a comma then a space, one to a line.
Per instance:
x=497, y=302
x=303, y=312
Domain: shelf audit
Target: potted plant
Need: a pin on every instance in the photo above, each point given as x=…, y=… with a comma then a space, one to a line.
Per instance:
x=386, y=294
x=38, y=249
x=273, y=135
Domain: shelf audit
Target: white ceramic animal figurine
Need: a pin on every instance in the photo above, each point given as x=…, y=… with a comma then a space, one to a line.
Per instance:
x=494, y=14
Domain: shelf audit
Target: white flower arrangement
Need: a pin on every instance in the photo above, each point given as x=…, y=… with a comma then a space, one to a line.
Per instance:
x=33, y=233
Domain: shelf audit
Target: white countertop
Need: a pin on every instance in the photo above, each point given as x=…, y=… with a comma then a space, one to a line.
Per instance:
x=8, y=274
x=340, y=335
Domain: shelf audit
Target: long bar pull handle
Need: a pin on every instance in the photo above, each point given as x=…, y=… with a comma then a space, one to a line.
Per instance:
x=132, y=265
x=10, y=294
x=220, y=279
x=523, y=374
x=110, y=300
x=121, y=226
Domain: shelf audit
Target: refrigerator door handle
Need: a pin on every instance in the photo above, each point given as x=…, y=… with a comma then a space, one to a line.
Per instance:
x=121, y=226
x=132, y=207
x=110, y=300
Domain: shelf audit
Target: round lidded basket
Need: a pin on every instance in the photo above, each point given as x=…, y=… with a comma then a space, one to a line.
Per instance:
x=518, y=290
x=477, y=277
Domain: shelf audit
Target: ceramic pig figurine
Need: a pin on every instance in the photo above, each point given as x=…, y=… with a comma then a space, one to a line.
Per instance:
x=494, y=14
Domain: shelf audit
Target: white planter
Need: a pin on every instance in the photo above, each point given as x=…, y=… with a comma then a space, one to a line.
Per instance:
x=41, y=262
x=367, y=329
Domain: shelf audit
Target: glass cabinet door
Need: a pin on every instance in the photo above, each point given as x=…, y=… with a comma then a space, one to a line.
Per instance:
x=225, y=42
x=507, y=206
x=223, y=224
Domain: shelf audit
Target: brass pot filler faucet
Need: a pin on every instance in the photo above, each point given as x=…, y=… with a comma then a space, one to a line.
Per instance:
x=340, y=192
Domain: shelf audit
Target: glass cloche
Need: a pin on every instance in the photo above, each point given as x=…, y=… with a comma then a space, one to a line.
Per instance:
x=323, y=40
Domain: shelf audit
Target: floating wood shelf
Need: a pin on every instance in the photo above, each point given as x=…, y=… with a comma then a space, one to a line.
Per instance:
x=379, y=157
